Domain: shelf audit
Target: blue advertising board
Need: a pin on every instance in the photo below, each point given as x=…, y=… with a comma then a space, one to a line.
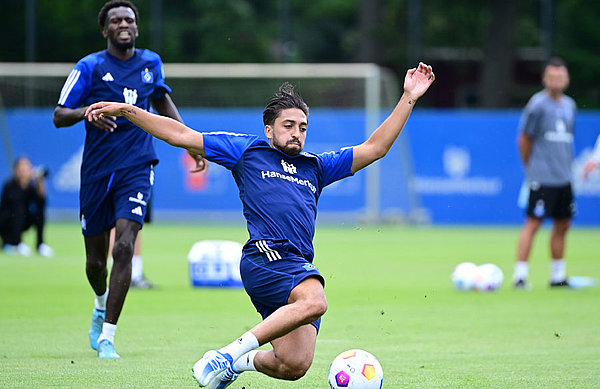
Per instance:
x=462, y=166
x=468, y=170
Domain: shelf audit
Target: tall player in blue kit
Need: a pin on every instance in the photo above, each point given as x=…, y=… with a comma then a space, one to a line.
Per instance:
x=279, y=186
x=118, y=158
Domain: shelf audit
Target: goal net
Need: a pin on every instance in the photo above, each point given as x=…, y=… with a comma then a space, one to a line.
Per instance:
x=347, y=102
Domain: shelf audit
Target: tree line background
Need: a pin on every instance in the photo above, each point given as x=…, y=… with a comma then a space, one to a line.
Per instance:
x=486, y=53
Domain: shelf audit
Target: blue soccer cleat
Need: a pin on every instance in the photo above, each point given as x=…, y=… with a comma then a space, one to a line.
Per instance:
x=224, y=379
x=96, y=327
x=106, y=350
x=211, y=365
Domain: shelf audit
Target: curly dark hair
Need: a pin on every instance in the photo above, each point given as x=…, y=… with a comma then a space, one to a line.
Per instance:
x=114, y=4
x=286, y=97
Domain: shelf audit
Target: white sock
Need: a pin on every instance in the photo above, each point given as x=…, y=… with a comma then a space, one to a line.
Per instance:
x=108, y=332
x=137, y=268
x=240, y=346
x=245, y=362
x=521, y=270
x=558, y=270
x=100, y=301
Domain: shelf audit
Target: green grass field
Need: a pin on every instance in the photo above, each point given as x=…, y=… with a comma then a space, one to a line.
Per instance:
x=389, y=293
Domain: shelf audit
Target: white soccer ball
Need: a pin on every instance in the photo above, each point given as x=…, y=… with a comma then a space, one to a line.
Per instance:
x=463, y=276
x=488, y=277
x=355, y=369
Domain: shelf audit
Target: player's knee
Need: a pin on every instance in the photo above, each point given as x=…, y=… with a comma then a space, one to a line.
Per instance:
x=320, y=307
x=314, y=309
x=122, y=250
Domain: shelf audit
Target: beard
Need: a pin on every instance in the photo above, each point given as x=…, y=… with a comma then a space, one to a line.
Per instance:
x=123, y=45
x=291, y=147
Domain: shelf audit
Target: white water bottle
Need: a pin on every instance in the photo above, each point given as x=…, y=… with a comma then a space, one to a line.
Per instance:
x=578, y=282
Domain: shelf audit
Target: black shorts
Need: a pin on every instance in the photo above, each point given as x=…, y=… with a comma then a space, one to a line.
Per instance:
x=555, y=202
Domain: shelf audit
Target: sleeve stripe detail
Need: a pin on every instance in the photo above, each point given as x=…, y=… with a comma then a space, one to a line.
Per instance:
x=224, y=133
x=69, y=84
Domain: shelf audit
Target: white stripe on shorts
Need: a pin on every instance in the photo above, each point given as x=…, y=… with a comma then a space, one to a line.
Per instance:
x=271, y=254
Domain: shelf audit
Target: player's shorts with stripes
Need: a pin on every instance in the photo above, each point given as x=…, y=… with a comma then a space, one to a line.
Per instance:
x=124, y=194
x=270, y=269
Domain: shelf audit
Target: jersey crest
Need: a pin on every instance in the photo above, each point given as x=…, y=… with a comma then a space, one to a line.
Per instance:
x=147, y=76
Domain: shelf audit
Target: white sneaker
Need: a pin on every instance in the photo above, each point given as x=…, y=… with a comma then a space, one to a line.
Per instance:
x=224, y=379
x=23, y=249
x=45, y=250
x=211, y=365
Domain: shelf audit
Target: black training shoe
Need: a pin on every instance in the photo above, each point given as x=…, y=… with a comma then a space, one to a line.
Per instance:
x=522, y=284
x=563, y=283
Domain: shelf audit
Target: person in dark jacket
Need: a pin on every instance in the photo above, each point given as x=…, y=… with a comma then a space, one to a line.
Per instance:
x=23, y=205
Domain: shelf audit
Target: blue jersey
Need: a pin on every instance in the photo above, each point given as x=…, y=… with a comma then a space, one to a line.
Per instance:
x=279, y=192
x=102, y=77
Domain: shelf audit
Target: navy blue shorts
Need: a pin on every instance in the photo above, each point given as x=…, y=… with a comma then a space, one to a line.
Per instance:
x=122, y=195
x=270, y=270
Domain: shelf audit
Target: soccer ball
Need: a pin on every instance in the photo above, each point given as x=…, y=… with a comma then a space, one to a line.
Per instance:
x=463, y=276
x=488, y=277
x=355, y=369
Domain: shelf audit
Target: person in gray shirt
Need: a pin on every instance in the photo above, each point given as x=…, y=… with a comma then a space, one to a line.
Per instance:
x=545, y=143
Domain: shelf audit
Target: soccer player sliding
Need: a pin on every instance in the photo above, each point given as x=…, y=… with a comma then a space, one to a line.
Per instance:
x=279, y=186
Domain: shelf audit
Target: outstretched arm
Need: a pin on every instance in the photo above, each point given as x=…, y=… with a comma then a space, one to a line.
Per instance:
x=165, y=106
x=163, y=128
x=416, y=83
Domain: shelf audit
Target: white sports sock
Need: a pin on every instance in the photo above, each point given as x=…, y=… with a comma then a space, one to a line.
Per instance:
x=100, y=301
x=245, y=362
x=137, y=268
x=521, y=271
x=558, y=270
x=108, y=332
x=240, y=346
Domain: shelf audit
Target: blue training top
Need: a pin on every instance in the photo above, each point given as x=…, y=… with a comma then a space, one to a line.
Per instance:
x=102, y=77
x=279, y=192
